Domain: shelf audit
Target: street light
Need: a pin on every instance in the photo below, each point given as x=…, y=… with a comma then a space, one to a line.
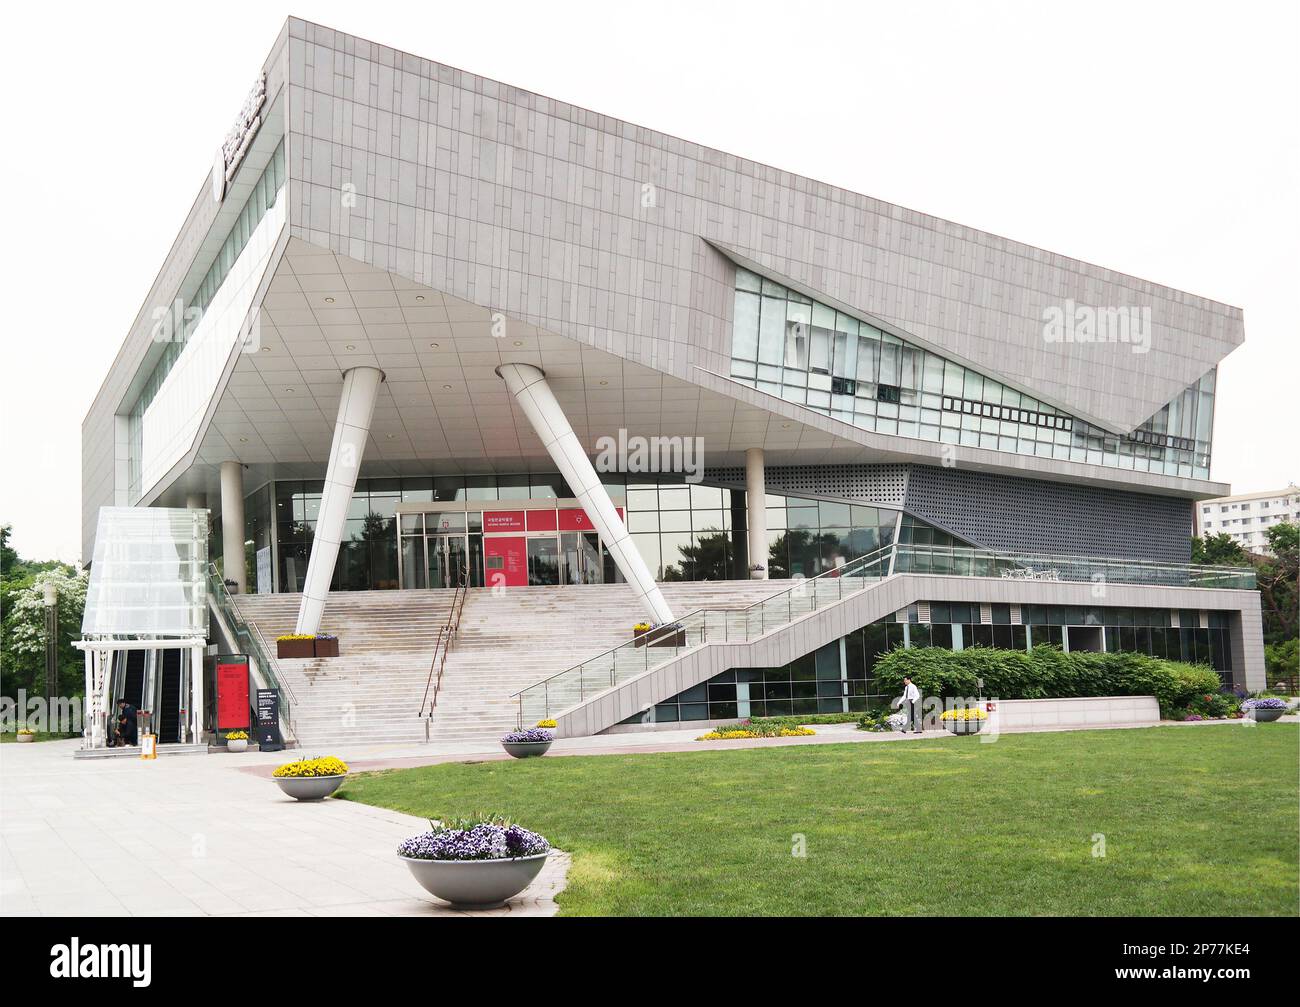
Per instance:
x=51, y=650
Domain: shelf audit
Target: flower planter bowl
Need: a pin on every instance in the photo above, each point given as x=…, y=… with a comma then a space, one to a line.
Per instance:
x=964, y=726
x=25, y=739
x=1265, y=715
x=526, y=749
x=295, y=649
x=638, y=637
x=309, y=788
x=477, y=884
x=236, y=744
x=327, y=648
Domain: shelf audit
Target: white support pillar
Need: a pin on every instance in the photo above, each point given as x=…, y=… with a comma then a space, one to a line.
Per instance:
x=232, y=524
x=356, y=409
x=528, y=385
x=197, y=501
x=756, y=509
x=87, y=723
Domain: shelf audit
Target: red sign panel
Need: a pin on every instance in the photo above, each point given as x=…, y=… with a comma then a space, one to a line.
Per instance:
x=541, y=520
x=503, y=520
x=506, y=560
x=232, y=695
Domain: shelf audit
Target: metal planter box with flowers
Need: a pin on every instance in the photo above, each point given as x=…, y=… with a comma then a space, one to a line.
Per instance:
x=967, y=720
x=526, y=744
x=311, y=779
x=475, y=865
x=296, y=646
x=1264, y=711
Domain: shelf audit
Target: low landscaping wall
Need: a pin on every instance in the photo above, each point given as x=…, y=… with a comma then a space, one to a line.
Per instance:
x=1093, y=711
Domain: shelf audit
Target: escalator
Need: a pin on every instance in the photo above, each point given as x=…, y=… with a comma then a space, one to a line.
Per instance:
x=167, y=718
x=131, y=667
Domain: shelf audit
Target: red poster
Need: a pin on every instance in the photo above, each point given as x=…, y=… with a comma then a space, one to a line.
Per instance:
x=503, y=520
x=541, y=520
x=232, y=695
x=506, y=559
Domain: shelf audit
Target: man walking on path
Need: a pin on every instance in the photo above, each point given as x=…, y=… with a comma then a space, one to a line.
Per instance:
x=912, y=706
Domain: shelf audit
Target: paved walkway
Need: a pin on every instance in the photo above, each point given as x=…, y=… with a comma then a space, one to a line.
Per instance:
x=190, y=836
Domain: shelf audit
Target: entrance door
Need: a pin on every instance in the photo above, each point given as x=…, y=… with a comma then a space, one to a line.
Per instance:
x=580, y=558
x=448, y=559
x=543, y=560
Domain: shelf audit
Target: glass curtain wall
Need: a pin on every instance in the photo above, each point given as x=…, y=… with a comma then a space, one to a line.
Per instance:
x=805, y=352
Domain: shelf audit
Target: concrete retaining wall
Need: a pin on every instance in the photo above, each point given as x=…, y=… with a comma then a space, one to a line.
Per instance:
x=1092, y=711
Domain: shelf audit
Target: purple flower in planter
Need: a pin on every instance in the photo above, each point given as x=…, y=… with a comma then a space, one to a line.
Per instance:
x=530, y=736
x=1264, y=704
x=485, y=841
x=1195, y=716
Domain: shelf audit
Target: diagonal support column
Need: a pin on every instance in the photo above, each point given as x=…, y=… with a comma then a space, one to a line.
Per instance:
x=356, y=409
x=528, y=385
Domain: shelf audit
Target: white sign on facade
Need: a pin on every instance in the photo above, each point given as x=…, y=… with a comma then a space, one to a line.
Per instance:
x=232, y=150
x=264, y=585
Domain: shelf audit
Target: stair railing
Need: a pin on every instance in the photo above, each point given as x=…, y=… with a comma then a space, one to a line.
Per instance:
x=723, y=625
x=446, y=634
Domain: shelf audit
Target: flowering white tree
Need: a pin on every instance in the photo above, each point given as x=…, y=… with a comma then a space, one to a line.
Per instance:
x=22, y=660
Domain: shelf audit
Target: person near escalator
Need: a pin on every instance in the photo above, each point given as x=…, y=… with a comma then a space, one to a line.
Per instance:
x=126, y=724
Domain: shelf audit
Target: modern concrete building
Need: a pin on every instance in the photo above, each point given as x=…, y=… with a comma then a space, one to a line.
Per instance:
x=420, y=327
x=1247, y=517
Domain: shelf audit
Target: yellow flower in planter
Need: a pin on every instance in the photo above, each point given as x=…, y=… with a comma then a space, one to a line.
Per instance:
x=325, y=765
x=237, y=736
x=966, y=713
x=296, y=636
x=546, y=723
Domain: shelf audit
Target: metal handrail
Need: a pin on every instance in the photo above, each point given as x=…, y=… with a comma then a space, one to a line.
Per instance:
x=798, y=590
x=978, y=562
x=251, y=635
x=443, y=643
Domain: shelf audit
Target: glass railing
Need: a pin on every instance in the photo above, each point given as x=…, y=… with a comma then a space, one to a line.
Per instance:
x=248, y=638
x=663, y=644
x=970, y=562
x=721, y=625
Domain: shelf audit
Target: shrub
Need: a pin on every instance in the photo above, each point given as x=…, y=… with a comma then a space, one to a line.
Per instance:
x=1044, y=673
x=320, y=765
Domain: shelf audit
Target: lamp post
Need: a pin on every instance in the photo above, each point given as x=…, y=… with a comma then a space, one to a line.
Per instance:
x=51, y=651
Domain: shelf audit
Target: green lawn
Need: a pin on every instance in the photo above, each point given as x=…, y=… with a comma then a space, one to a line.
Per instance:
x=1197, y=821
x=12, y=736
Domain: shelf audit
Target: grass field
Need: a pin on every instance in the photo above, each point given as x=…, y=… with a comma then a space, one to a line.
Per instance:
x=1196, y=820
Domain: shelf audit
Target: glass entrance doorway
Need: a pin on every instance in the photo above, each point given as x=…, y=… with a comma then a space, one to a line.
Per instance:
x=580, y=560
x=448, y=559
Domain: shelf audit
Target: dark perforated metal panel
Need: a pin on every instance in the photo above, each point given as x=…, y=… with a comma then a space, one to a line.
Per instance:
x=1034, y=515
x=881, y=484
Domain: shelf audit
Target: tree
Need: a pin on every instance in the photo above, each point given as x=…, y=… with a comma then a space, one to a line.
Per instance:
x=1276, y=577
x=22, y=645
x=1218, y=550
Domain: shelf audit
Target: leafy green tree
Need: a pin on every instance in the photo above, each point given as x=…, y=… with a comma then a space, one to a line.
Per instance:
x=1276, y=577
x=1218, y=550
x=22, y=633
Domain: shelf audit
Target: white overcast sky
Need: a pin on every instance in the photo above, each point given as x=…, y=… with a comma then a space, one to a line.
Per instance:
x=1158, y=139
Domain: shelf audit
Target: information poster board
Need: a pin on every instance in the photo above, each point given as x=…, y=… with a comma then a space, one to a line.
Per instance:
x=264, y=585
x=232, y=693
x=148, y=746
x=268, y=720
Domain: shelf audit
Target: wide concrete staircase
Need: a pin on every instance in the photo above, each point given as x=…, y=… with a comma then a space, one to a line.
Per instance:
x=512, y=639
x=508, y=640
x=372, y=691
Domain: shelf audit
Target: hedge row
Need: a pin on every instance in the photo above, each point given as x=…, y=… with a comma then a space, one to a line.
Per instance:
x=1043, y=673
